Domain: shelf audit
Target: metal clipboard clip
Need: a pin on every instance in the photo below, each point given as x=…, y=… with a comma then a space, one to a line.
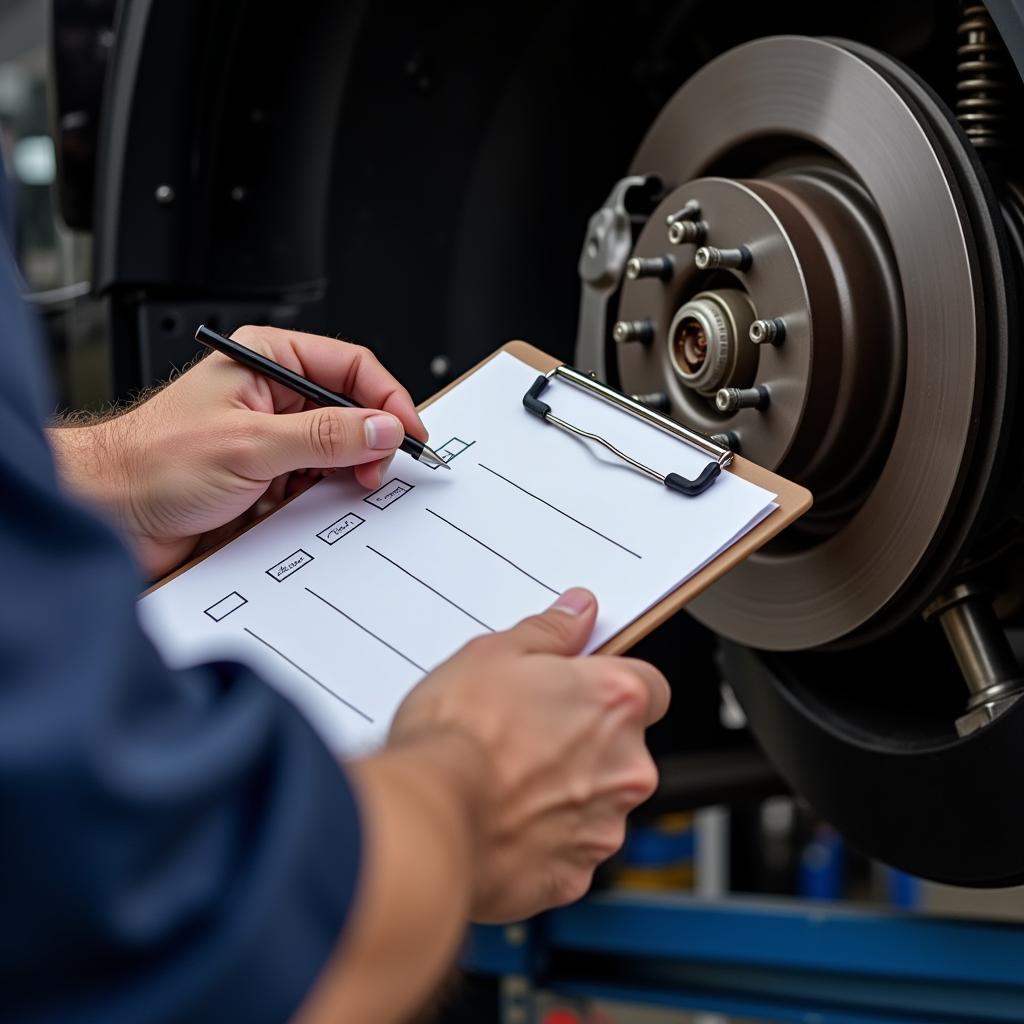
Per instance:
x=673, y=481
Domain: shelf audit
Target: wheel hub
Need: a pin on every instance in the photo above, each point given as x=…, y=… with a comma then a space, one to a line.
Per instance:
x=819, y=262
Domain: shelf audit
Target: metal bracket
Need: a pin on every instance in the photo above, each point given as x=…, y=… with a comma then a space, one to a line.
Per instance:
x=606, y=248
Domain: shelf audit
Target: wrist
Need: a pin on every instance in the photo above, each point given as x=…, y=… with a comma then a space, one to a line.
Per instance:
x=92, y=462
x=450, y=770
x=420, y=805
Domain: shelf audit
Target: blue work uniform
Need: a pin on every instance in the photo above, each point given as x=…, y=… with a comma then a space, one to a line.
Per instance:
x=174, y=846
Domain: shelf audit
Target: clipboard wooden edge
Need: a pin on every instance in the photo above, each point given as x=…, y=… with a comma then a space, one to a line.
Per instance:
x=793, y=501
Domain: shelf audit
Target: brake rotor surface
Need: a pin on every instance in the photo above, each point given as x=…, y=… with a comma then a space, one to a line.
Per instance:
x=815, y=93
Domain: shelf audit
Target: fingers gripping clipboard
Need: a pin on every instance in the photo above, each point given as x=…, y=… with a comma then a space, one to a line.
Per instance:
x=345, y=599
x=792, y=500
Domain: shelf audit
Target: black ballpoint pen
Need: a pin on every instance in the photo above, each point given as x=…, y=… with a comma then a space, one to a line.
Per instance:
x=305, y=387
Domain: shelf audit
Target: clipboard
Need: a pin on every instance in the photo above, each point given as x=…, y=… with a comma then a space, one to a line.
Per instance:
x=792, y=499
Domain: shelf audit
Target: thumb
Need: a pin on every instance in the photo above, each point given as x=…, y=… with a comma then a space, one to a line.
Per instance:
x=328, y=438
x=562, y=629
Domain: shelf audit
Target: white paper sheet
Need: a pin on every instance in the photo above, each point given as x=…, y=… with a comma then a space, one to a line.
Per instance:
x=344, y=599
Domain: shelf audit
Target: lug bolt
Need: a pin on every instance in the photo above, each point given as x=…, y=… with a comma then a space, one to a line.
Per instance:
x=653, y=400
x=707, y=257
x=730, y=440
x=734, y=399
x=768, y=332
x=690, y=211
x=633, y=330
x=658, y=266
x=687, y=232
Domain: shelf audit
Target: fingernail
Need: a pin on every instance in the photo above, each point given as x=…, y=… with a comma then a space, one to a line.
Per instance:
x=384, y=466
x=575, y=601
x=383, y=432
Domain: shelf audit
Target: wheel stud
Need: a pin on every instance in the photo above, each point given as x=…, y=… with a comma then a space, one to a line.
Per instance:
x=687, y=232
x=730, y=440
x=657, y=266
x=707, y=257
x=633, y=330
x=691, y=211
x=734, y=399
x=653, y=400
x=768, y=332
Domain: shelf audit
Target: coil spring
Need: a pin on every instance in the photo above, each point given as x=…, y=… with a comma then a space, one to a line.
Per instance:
x=981, y=83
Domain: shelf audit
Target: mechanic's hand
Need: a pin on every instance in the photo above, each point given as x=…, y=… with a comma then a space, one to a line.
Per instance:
x=203, y=451
x=564, y=737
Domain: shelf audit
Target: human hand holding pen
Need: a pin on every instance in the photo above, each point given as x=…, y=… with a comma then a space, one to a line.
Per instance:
x=193, y=462
x=315, y=394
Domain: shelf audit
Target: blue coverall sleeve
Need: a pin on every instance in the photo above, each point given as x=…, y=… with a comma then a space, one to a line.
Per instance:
x=174, y=846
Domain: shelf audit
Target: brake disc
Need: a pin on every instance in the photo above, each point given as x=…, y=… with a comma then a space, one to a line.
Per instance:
x=873, y=240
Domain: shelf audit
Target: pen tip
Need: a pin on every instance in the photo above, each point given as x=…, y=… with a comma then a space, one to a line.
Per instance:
x=431, y=457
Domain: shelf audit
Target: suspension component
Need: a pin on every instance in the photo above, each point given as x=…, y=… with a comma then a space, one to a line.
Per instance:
x=606, y=249
x=983, y=653
x=981, y=81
